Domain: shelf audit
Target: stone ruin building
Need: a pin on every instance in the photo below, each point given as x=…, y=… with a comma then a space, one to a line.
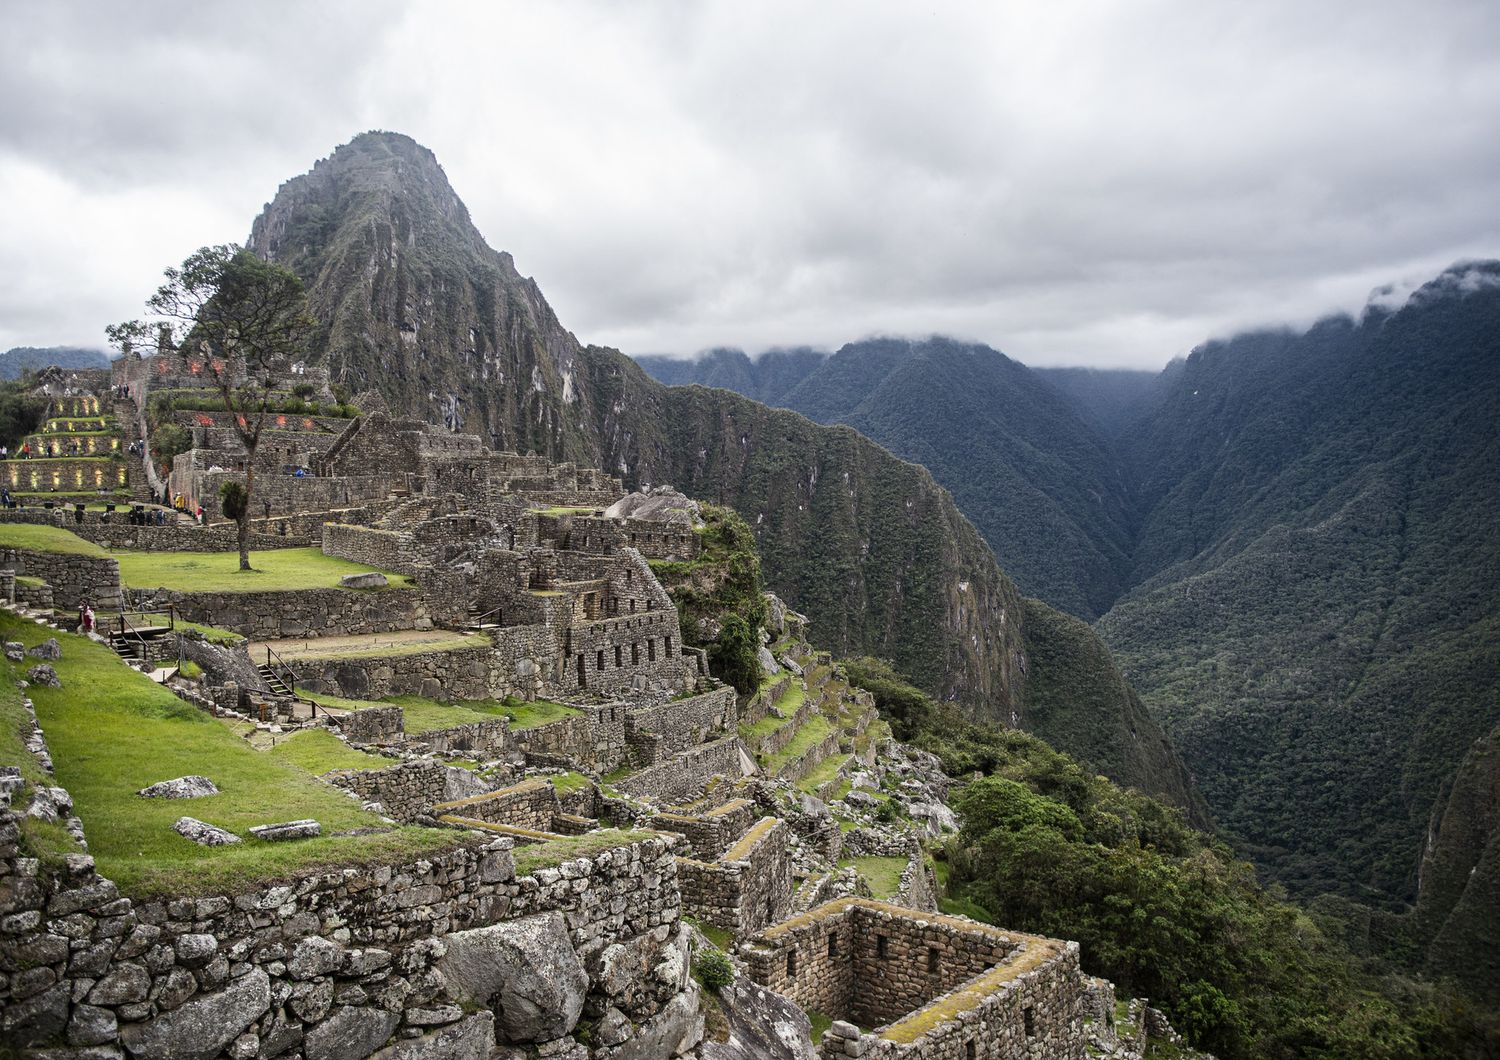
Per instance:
x=711, y=808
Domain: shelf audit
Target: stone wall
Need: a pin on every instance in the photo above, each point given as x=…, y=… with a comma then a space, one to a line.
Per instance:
x=118, y=534
x=610, y=654
x=746, y=890
x=688, y=770
x=933, y=986
x=305, y=612
x=529, y=804
x=405, y=791
x=593, y=740
x=709, y=834
x=758, y=706
x=445, y=675
x=480, y=739
x=652, y=539
x=372, y=725
x=383, y=549
x=334, y=964
x=685, y=723
x=73, y=578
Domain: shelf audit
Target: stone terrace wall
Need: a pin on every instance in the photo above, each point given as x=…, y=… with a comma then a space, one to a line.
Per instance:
x=330, y=966
x=483, y=739
x=305, y=612
x=995, y=1016
x=224, y=537
x=709, y=834
x=384, y=549
x=592, y=740
x=73, y=579
x=529, y=804
x=758, y=706
x=461, y=674
x=747, y=890
x=685, y=723
x=372, y=725
x=687, y=771
x=405, y=792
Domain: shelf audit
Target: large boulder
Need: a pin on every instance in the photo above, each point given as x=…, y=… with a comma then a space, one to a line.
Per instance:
x=189, y=787
x=351, y=1033
x=42, y=674
x=372, y=580
x=203, y=833
x=469, y=1039
x=674, y=1031
x=202, y=1027
x=525, y=970
x=762, y=1026
x=47, y=649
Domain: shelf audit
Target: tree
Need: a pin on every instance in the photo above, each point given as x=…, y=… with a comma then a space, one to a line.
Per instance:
x=249, y=319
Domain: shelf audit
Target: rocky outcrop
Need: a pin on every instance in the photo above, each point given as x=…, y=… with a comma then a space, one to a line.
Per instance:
x=762, y=1026
x=526, y=970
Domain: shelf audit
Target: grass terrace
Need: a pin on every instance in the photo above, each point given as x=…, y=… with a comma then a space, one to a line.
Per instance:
x=881, y=873
x=426, y=715
x=112, y=731
x=277, y=570
x=554, y=852
x=47, y=539
x=826, y=770
x=318, y=751
x=817, y=729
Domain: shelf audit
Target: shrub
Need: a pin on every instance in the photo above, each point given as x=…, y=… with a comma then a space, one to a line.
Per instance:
x=233, y=497
x=712, y=969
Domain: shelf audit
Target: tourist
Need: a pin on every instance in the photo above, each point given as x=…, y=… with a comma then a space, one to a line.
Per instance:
x=202, y=516
x=86, y=618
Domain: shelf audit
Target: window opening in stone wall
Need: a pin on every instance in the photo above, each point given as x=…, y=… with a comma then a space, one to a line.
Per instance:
x=932, y=959
x=618, y=662
x=599, y=660
x=1029, y=1015
x=882, y=947
x=635, y=653
x=650, y=649
x=791, y=964
x=583, y=681
x=632, y=605
x=969, y=1053
x=668, y=643
x=833, y=945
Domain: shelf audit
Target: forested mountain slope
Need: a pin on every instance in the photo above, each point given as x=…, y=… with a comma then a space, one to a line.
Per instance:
x=1318, y=612
x=417, y=306
x=1039, y=482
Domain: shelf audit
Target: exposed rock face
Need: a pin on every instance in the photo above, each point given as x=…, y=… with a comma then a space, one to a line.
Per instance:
x=673, y=1031
x=202, y=1027
x=351, y=1033
x=418, y=307
x=762, y=1026
x=189, y=787
x=526, y=970
x=203, y=833
x=662, y=503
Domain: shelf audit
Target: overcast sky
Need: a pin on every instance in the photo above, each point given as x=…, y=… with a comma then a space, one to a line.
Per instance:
x=1073, y=183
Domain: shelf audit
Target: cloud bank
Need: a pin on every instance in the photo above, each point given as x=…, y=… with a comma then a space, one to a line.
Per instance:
x=1103, y=183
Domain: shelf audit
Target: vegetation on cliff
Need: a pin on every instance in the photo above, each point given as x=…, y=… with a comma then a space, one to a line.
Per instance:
x=1158, y=907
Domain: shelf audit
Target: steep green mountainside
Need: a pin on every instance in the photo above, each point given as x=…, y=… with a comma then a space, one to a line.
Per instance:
x=1040, y=484
x=767, y=378
x=1319, y=609
x=418, y=307
x=1108, y=399
x=1460, y=875
x=20, y=359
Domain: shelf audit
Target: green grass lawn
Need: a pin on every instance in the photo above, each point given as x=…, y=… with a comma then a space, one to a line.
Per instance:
x=815, y=731
x=47, y=539
x=826, y=770
x=567, y=783
x=318, y=751
x=275, y=570
x=425, y=715
x=112, y=731
x=882, y=874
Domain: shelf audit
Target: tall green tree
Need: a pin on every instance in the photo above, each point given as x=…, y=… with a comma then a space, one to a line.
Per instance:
x=249, y=318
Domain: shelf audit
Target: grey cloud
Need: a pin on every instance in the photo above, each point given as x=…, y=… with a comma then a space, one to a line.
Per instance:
x=1072, y=182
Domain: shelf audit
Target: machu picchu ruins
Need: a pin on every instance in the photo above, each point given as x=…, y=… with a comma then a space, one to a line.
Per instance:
x=551, y=809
